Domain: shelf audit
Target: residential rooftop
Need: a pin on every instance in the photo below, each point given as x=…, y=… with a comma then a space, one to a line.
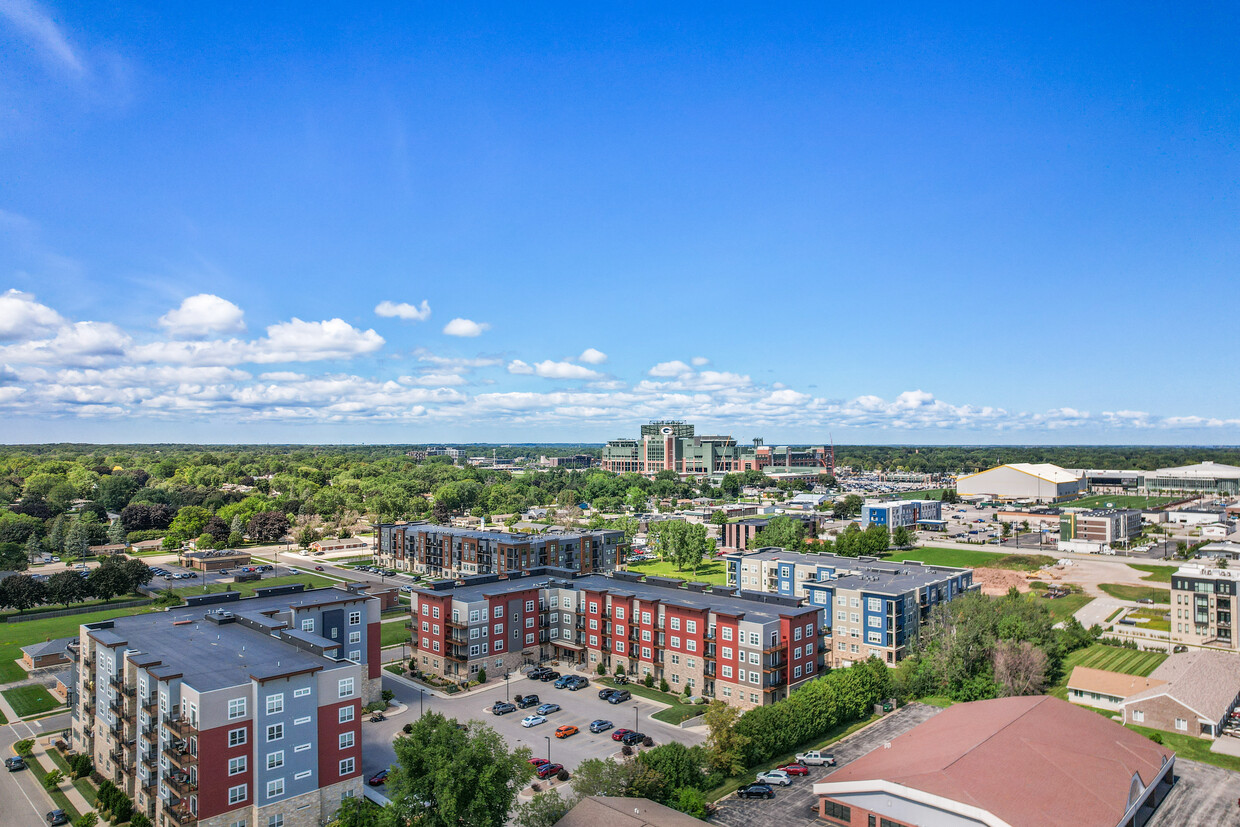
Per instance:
x=1204, y=681
x=872, y=574
x=513, y=537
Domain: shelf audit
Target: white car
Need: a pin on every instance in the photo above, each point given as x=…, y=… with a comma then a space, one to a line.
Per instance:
x=775, y=777
x=532, y=720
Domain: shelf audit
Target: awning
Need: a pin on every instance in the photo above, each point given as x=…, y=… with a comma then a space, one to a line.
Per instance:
x=565, y=644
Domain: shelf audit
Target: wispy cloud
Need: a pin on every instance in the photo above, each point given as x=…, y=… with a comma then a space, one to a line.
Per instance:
x=35, y=26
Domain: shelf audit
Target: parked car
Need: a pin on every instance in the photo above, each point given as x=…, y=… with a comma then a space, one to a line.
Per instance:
x=550, y=676
x=526, y=701
x=814, y=758
x=547, y=709
x=532, y=720
x=566, y=730
x=620, y=733
x=794, y=769
x=619, y=696
x=632, y=738
x=577, y=682
x=56, y=817
x=775, y=778
x=538, y=762
x=15, y=763
x=548, y=770
x=756, y=791
x=318, y=568
x=378, y=778
x=537, y=673
x=600, y=726
x=502, y=708
x=604, y=694
x=563, y=681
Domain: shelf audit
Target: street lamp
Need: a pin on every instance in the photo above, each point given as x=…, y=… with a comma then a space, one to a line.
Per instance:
x=634, y=717
x=420, y=694
x=507, y=674
x=548, y=737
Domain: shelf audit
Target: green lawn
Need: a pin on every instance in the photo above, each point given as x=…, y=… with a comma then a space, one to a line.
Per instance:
x=1119, y=501
x=677, y=712
x=1062, y=608
x=710, y=571
x=1194, y=749
x=1157, y=621
x=393, y=634
x=1155, y=574
x=1114, y=614
x=30, y=700
x=968, y=558
x=1122, y=592
x=58, y=797
x=13, y=636
x=246, y=589
x=1115, y=659
x=932, y=494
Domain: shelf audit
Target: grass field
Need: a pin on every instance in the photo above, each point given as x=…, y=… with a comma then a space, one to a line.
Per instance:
x=932, y=494
x=13, y=636
x=1155, y=574
x=711, y=571
x=1119, y=501
x=1115, y=659
x=1136, y=592
x=1062, y=608
x=1194, y=749
x=393, y=634
x=246, y=589
x=57, y=795
x=973, y=559
x=677, y=712
x=1154, y=620
x=30, y=700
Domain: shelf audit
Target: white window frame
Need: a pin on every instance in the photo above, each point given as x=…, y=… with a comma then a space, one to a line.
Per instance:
x=237, y=794
x=275, y=787
x=236, y=708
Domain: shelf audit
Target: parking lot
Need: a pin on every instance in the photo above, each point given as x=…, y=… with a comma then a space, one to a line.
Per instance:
x=579, y=708
x=1202, y=795
x=797, y=804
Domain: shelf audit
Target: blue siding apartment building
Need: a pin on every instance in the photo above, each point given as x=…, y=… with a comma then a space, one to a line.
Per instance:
x=898, y=513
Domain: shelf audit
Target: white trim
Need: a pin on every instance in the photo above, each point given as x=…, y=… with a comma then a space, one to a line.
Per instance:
x=920, y=796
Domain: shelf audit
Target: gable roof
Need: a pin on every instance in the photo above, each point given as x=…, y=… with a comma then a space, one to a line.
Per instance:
x=48, y=647
x=1204, y=681
x=608, y=811
x=1115, y=684
x=1025, y=760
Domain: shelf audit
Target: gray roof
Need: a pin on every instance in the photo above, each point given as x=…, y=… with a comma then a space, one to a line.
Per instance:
x=1204, y=681
x=48, y=647
x=871, y=574
x=211, y=656
x=500, y=536
x=1217, y=470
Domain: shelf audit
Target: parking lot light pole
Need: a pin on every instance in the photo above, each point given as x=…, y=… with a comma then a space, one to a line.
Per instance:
x=420, y=694
x=548, y=737
x=507, y=674
x=635, y=717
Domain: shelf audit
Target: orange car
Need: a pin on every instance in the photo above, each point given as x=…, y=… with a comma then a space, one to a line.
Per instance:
x=565, y=731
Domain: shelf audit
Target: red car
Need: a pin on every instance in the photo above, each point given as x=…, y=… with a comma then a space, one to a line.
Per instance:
x=378, y=779
x=318, y=568
x=538, y=762
x=794, y=769
x=548, y=770
x=619, y=734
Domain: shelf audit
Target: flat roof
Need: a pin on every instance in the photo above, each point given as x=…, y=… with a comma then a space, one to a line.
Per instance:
x=871, y=574
x=211, y=656
x=502, y=536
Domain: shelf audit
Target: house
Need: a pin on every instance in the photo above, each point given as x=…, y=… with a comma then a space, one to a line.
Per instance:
x=147, y=545
x=1015, y=762
x=63, y=684
x=1196, y=693
x=48, y=653
x=1105, y=690
x=110, y=548
x=345, y=544
x=608, y=811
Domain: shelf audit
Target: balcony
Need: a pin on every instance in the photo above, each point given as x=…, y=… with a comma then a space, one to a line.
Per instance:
x=452, y=656
x=149, y=704
x=456, y=624
x=181, y=728
x=775, y=647
x=710, y=669
x=181, y=785
x=179, y=813
x=180, y=756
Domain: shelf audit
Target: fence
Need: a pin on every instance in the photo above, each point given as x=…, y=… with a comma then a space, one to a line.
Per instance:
x=75, y=610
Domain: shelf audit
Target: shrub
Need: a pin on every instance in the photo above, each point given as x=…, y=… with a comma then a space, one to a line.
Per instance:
x=52, y=779
x=619, y=669
x=648, y=680
x=535, y=787
x=387, y=695
x=688, y=690
x=601, y=670
x=482, y=676
x=626, y=750
x=24, y=747
x=407, y=728
x=648, y=741
x=140, y=820
x=663, y=687
x=562, y=775
x=1156, y=737
x=88, y=820
x=81, y=765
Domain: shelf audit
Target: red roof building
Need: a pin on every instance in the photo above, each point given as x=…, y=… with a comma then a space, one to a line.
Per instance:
x=1009, y=762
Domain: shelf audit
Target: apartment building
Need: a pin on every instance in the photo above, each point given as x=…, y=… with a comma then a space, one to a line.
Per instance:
x=1103, y=525
x=745, y=648
x=1203, y=600
x=870, y=607
x=672, y=445
x=229, y=712
x=740, y=533
x=449, y=551
x=896, y=513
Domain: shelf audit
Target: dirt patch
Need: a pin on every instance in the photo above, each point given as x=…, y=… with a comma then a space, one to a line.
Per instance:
x=997, y=582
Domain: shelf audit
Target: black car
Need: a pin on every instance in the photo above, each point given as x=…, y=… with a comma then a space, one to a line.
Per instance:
x=502, y=708
x=15, y=763
x=604, y=694
x=549, y=676
x=632, y=739
x=537, y=674
x=619, y=696
x=56, y=817
x=756, y=791
x=577, y=682
x=526, y=701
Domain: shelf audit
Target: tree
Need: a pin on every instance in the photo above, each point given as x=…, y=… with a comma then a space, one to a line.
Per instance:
x=13, y=557
x=65, y=587
x=108, y=580
x=21, y=592
x=482, y=676
x=444, y=776
x=719, y=518
x=354, y=812
x=137, y=573
x=599, y=776
x=544, y=810
x=116, y=490
x=690, y=800
x=34, y=548
x=116, y=532
x=218, y=529
x=902, y=537
x=875, y=540
x=306, y=537
x=1019, y=667
x=52, y=779
x=267, y=526
x=731, y=485
x=725, y=747
x=77, y=539
x=189, y=521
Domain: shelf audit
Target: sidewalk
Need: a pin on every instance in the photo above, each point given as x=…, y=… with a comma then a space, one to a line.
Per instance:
x=41, y=750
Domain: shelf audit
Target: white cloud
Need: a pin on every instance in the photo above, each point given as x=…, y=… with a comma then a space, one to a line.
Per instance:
x=673, y=368
x=203, y=315
x=38, y=28
x=564, y=370
x=81, y=343
x=21, y=317
x=465, y=328
x=434, y=380
x=457, y=364
x=700, y=361
x=291, y=341
x=404, y=310
x=519, y=367
x=592, y=357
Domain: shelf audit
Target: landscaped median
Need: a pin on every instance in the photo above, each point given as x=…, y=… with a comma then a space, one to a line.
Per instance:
x=677, y=709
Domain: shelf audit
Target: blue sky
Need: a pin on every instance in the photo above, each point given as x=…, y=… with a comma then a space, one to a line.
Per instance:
x=961, y=225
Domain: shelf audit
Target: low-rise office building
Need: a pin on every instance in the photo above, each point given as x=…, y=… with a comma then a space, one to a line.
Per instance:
x=1202, y=478
x=1104, y=525
x=739, y=534
x=1203, y=602
x=447, y=551
x=896, y=513
x=215, y=560
x=745, y=648
x=231, y=711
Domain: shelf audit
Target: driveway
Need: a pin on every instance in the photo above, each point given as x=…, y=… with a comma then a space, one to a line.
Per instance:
x=797, y=804
x=1202, y=795
x=579, y=708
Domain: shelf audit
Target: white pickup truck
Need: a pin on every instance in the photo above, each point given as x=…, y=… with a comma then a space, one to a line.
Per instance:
x=816, y=758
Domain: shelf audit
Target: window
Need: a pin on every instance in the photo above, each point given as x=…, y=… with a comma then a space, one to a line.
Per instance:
x=236, y=737
x=275, y=732
x=275, y=787
x=499, y=644
x=236, y=794
x=302, y=774
x=796, y=633
x=1181, y=724
x=356, y=617
x=593, y=640
x=675, y=623
x=498, y=611
x=236, y=766
x=619, y=613
x=301, y=748
x=691, y=645
x=346, y=714
x=275, y=703
x=301, y=693
x=727, y=671
x=646, y=618
x=498, y=630
x=754, y=639
x=831, y=809
x=726, y=653
x=675, y=678
x=236, y=708
x=874, y=604
x=529, y=639
x=275, y=760
x=473, y=651
x=796, y=672
x=796, y=653
x=645, y=653
x=593, y=623
x=1138, y=715
x=674, y=642
x=345, y=687
x=675, y=660
x=754, y=677
x=346, y=766
x=346, y=740
x=307, y=625
x=874, y=620
x=529, y=623
x=435, y=612
x=646, y=635
x=355, y=637
x=593, y=607
x=529, y=605
x=727, y=633
x=841, y=615
x=755, y=658
x=691, y=627
x=276, y=820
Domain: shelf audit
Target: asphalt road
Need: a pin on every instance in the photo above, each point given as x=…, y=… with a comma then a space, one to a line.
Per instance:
x=579, y=708
x=22, y=799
